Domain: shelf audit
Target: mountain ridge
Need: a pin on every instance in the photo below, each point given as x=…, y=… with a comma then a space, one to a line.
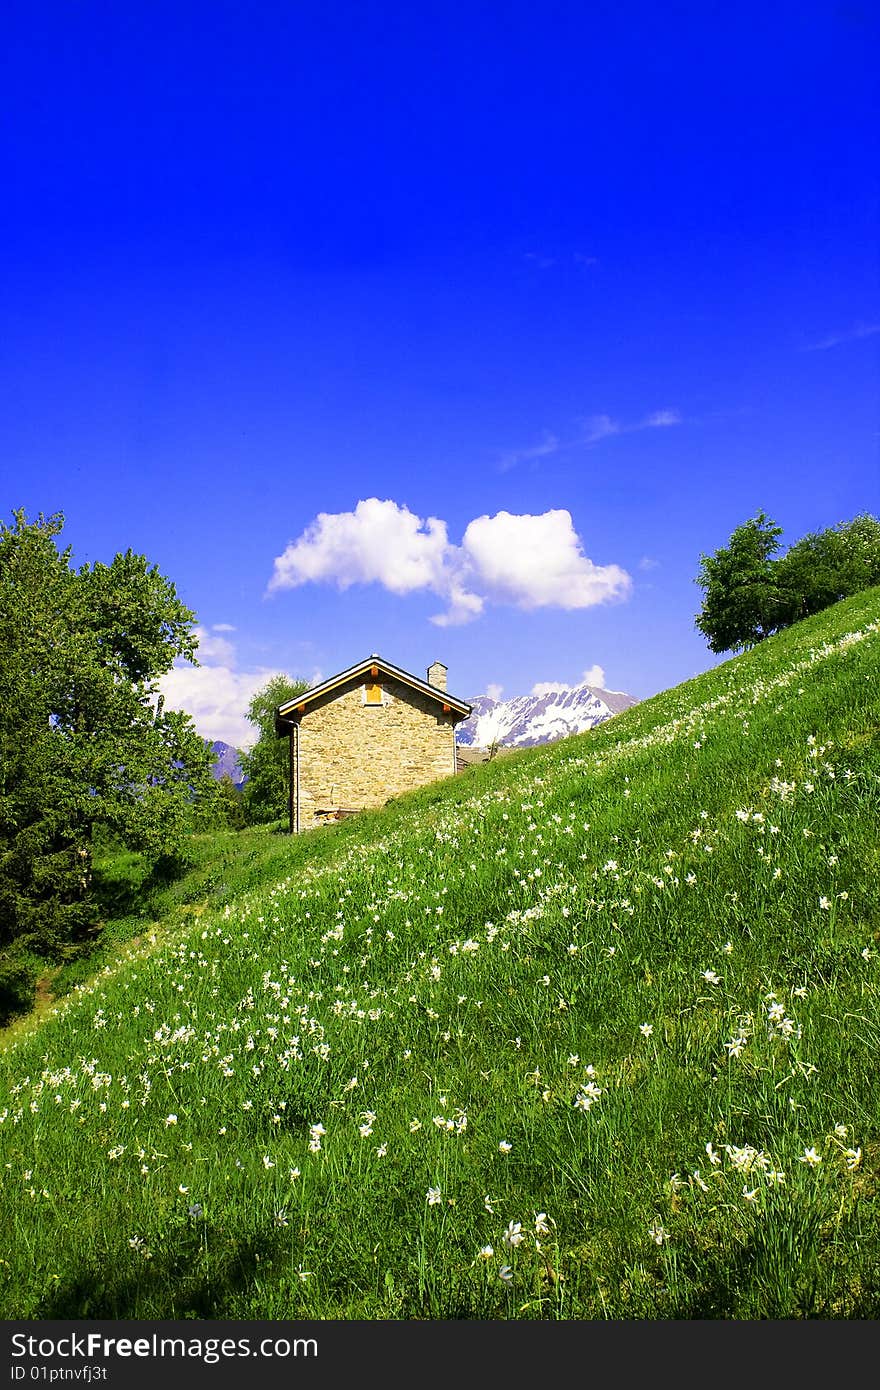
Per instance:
x=525, y=721
x=227, y=764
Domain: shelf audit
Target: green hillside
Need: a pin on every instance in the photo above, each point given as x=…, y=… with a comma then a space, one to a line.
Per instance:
x=591, y=1031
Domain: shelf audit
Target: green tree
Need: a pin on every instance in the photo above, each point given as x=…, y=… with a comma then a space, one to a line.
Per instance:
x=228, y=807
x=742, y=601
x=84, y=739
x=265, y=765
x=829, y=565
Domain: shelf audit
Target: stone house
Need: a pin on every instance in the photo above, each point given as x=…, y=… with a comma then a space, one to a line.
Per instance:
x=364, y=735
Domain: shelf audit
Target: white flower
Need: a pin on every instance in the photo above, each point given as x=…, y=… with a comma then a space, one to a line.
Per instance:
x=824, y=903
x=657, y=1233
x=735, y=1046
x=710, y=977
x=487, y=1252
x=504, y=1147
x=587, y=1095
x=852, y=1158
x=170, y=1120
x=646, y=1029
x=810, y=1157
x=505, y=1274
x=542, y=1227
x=750, y=1194
x=433, y=1197
x=714, y=1157
x=746, y=1158
x=513, y=1236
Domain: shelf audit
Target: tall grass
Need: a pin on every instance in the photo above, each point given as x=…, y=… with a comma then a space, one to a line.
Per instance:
x=587, y=1032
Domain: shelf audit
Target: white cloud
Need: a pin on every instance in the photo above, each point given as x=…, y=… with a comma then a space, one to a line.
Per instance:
x=549, y=444
x=217, y=698
x=378, y=541
x=848, y=335
x=494, y=691
x=538, y=562
x=594, y=676
x=600, y=427
x=603, y=426
x=214, y=648
x=591, y=431
x=526, y=561
x=660, y=419
x=214, y=693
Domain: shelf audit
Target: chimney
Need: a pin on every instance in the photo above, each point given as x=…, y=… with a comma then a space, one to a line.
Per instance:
x=437, y=675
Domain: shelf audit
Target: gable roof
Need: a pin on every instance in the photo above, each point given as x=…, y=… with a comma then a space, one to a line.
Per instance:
x=292, y=710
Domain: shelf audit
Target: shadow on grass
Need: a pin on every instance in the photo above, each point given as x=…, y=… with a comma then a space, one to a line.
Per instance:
x=126, y=886
x=161, y=1288
x=788, y=1269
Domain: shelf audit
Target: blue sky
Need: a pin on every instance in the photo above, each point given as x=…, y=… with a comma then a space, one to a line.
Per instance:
x=452, y=332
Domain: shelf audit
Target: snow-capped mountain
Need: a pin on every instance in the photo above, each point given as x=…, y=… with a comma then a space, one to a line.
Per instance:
x=227, y=764
x=527, y=720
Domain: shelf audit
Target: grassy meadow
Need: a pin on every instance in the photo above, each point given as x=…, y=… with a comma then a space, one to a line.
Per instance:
x=590, y=1031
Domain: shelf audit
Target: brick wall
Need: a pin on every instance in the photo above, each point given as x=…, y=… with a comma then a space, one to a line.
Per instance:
x=354, y=755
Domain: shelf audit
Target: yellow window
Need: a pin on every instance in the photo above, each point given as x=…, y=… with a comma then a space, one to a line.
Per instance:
x=373, y=695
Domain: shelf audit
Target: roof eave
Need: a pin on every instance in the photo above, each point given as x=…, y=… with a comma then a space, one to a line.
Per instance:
x=285, y=714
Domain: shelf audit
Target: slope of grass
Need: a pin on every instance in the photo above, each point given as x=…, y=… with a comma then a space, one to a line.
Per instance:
x=590, y=1031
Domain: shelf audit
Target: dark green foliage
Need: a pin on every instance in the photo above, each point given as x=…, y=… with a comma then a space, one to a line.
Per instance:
x=748, y=594
x=826, y=566
x=228, y=805
x=742, y=602
x=18, y=982
x=266, y=791
x=84, y=740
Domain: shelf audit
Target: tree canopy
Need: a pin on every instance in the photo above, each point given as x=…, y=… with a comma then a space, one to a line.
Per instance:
x=741, y=601
x=84, y=738
x=265, y=765
x=748, y=593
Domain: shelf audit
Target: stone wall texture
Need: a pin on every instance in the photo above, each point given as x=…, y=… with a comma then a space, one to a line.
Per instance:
x=353, y=755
